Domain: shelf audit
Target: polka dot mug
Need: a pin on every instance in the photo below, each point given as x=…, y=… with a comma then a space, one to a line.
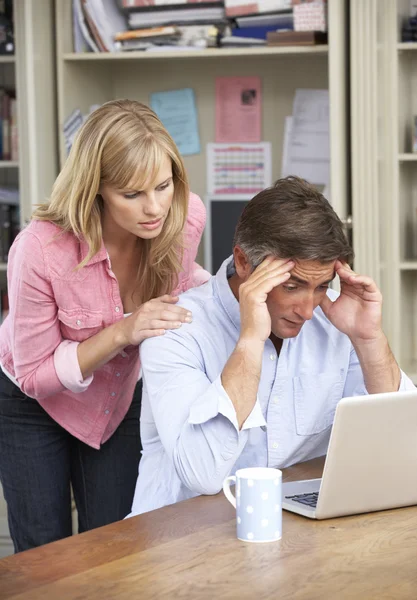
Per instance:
x=258, y=503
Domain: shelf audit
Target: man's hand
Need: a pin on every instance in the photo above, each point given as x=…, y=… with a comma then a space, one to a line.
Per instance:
x=357, y=312
x=242, y=372
x=254, y=315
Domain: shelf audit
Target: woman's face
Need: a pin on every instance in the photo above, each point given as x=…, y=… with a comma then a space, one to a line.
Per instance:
x=140, y=212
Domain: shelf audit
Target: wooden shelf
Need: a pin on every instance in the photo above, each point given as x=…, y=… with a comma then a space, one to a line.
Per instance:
x=407, y=46
x=9, y=164
x=408, y=265
x=408, y=157
x=207, y=53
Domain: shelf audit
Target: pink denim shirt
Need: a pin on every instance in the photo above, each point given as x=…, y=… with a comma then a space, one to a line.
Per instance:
x=52, y=308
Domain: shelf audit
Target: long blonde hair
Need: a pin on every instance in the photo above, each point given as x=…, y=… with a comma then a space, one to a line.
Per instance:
x=120, y=142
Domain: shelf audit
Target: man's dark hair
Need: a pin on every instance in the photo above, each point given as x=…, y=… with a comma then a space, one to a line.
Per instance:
x=291, y=219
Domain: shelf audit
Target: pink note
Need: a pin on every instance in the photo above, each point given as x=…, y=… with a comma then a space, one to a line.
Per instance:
x=238, y=109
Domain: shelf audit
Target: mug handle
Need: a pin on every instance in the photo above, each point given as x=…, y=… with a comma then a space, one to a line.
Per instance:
x=226, y=489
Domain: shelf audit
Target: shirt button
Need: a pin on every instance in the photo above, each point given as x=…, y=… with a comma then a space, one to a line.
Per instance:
x=117, y=374
x=275, y=399
x=78, y=322
x=272, y=356
x=106, y=412
x=113, y=394
x=275, y=445
x=117, y=309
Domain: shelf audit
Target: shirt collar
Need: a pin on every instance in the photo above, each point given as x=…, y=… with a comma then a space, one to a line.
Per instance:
x=100, y=256
x=224, y=291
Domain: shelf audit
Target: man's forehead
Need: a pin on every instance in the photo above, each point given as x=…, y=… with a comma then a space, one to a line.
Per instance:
x=313, y=270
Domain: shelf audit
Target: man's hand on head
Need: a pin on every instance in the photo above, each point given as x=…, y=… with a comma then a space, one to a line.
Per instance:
x=253, y=294
x=357, y=312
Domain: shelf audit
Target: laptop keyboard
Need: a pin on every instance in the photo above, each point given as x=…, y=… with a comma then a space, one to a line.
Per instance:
x=306, y=499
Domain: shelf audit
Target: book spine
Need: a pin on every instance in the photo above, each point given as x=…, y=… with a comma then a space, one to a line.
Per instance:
x=14, y=132
x=5, y=231
x=5, y=111
x=144, y=4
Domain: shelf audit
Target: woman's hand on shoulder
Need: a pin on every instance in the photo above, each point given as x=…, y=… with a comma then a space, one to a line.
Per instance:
x=153, y=318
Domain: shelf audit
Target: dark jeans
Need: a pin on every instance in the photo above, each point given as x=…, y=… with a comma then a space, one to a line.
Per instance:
x=40, y=461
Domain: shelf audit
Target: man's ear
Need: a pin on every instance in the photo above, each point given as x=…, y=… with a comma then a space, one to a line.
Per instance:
x=242, y=265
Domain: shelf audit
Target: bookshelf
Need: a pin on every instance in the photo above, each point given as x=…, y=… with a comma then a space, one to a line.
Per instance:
x=200, y=54
x=30, y=71
x=384, y=170
x=92, y=78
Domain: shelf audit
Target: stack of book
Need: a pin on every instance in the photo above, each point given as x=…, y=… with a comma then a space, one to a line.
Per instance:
x=95, y=23
x=168, y=35
x=157, y=13
x=178, y=23
x=9, y=219
x=253, y=20
x=9, y=139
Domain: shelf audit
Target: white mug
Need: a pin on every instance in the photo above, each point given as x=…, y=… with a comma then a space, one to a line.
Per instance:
x=258, y=503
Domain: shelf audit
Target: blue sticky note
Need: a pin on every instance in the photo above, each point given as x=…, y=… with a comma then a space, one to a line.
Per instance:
x=177, y=111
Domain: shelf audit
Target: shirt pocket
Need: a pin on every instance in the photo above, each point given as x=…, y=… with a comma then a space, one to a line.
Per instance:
x=78, y=324
x=315, y=401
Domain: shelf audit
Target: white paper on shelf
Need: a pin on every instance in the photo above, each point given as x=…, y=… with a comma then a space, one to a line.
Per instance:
x=306, y=146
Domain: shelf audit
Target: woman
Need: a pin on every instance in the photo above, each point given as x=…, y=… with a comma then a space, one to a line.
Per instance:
x=88, y=280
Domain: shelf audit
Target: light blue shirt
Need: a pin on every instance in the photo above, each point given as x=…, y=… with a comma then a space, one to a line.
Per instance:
x=189, y=430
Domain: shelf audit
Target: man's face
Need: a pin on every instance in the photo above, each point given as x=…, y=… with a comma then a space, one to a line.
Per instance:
x=292, y=303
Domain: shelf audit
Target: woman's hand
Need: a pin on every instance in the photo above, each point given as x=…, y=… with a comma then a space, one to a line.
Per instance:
x=153, y=318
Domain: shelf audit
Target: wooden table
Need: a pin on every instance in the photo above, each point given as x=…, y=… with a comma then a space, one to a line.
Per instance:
x=189, y=550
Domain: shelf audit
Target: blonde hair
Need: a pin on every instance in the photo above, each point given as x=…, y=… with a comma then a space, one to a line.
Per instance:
x=121, y=142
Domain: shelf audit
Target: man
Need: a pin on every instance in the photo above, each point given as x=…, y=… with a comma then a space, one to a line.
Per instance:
x=254, y=380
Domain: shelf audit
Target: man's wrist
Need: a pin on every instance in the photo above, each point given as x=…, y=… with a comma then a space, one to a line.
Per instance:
x=250, y=345
x=371, y=344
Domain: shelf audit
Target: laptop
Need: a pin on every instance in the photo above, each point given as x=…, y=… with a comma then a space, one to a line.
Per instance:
x=371, y=462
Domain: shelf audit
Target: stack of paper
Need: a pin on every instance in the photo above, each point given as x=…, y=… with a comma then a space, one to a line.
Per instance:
x=306, y=150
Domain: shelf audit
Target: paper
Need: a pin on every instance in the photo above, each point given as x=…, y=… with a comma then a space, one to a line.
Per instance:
x=238, y=169
x=177, y=111
x=311, y=110
x=238, y=109
x=306, y=148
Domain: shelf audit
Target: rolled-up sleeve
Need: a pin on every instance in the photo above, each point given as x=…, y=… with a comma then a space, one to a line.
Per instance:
x=68, y=369
x=44, y=363
x=194, y=417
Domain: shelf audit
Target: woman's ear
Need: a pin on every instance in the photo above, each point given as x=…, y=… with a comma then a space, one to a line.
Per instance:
x=242, y=265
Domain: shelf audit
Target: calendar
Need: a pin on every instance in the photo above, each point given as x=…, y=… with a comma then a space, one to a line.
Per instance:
x=238, y=170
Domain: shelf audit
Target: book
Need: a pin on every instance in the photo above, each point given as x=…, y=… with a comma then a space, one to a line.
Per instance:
x=133, y=5
x=5, y=117
x=14, y=132
x=296, y=38
x=180, y=15
x=236, y=8
x=281, y=20
x=133, y=34
x=5, y=231
x=91, y=25
x=259, y=32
